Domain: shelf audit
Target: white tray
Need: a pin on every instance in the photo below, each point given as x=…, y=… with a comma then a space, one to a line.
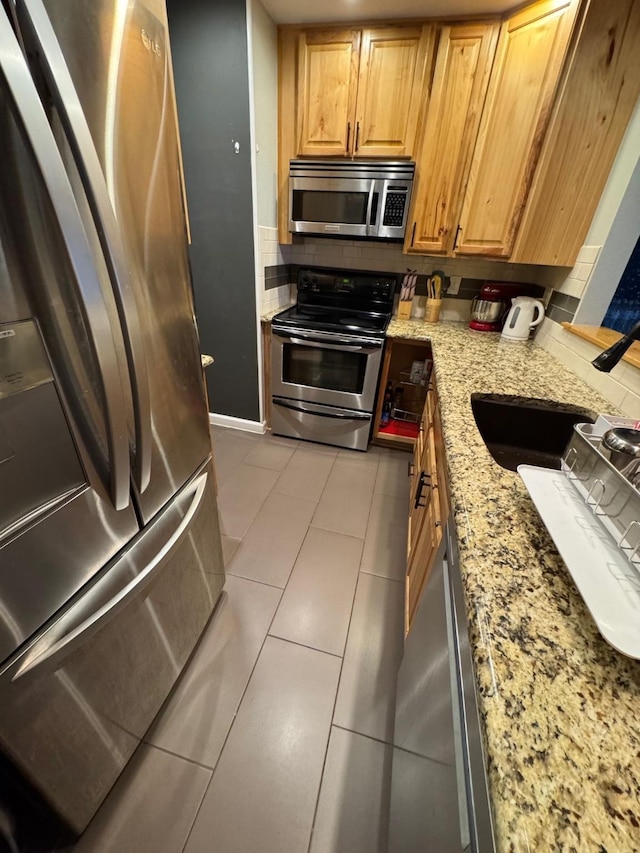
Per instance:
x=605, y=578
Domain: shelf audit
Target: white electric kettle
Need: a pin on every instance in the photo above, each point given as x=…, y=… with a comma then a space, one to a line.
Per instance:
x=520, y=319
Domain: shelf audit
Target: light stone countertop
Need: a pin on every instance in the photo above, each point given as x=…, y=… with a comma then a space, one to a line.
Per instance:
x=267, y=316
x=559, y=706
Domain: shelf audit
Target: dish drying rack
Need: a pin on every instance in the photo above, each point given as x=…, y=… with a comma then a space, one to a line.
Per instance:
x=592, y=513
x=414, y=399
x=610, y=496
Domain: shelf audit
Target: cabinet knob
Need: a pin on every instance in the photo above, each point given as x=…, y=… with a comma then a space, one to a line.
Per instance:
x=348, y=134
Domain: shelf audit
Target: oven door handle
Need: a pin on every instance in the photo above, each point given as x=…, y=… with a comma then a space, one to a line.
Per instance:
x=356, y=416
x=319, y=345
x=339, y=344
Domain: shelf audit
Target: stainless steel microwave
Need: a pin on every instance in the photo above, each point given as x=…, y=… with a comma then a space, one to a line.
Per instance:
x=351, y=198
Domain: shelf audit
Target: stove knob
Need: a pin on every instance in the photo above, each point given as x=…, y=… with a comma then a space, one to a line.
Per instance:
x=305, y=279
x=314, y=279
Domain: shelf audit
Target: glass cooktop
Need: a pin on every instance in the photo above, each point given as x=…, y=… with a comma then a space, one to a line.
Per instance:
x=333, y=320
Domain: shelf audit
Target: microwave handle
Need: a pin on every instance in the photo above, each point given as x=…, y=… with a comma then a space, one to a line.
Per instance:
x=370, y=225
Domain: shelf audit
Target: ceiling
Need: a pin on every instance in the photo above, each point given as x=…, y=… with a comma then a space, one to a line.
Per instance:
x=309, y=11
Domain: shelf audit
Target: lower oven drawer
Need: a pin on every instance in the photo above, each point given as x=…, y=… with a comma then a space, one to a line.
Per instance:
x=324, y=424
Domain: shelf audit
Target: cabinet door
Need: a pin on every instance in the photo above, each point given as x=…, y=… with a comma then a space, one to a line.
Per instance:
x=598, y=99
x=392, y=67
x=459, y=88
x=423, y=531
x=529, y=58
x=327, y=87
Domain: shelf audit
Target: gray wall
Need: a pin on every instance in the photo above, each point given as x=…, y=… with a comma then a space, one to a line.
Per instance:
x=209, y=47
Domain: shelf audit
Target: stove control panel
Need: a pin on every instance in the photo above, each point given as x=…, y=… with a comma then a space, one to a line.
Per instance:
x=346, y=286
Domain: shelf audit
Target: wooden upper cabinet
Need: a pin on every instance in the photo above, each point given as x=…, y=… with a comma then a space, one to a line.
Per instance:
x=529, y=59
x=392, y=64
x=460, y=81
x=600, y=93
x=327, y=87
x=359, y=91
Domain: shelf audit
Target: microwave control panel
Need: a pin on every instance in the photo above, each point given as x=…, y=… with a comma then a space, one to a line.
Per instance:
x=394, y=208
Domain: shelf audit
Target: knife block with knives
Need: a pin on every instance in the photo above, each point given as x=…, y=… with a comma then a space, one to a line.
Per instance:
x=407, y=292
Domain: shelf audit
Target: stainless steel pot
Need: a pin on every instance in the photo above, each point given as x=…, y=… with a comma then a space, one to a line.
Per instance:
x=486, y=310
x=623, y=446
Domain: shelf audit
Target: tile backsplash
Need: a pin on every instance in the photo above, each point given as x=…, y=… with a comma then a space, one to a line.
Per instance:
x=354, y=254
x=621, y=387
x=382, y=257
x=274, y=277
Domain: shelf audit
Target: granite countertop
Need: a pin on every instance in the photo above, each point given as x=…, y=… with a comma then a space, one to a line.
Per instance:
x=560, y=707
x=267, y=316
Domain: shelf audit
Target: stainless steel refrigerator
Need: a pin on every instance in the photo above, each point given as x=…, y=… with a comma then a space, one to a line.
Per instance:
x=110, y=557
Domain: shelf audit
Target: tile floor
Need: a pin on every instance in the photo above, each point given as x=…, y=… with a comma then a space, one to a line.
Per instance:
x=278, y=736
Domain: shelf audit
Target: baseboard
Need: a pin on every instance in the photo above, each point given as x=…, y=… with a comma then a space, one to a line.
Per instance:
x=238, y=423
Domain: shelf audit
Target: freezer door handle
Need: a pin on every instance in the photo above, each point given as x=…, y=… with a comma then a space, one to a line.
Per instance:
x=38, y=135
x=117, y=586
x=36, y=25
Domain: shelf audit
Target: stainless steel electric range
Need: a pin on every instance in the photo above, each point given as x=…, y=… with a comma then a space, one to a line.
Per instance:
x=326, y=356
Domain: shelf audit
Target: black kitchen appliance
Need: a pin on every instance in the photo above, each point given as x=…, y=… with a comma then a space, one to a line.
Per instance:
x=326, y=356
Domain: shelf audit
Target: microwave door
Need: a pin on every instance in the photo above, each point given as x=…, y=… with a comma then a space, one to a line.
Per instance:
x=325, y=205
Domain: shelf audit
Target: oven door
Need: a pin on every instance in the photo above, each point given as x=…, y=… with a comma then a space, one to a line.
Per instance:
x=340, y=206
x=319, y=367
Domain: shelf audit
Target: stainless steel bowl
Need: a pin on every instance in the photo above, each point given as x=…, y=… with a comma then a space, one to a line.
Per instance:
x=623, y=446
x=486, y=311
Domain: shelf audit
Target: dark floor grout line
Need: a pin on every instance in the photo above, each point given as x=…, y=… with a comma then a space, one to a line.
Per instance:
x=382, y=577
x=228, y=734
x=423, y=757
x=324, y=488
x=339, y=532
x=392, y=745
x=244, y=693
x=304, y=646
x=267, y=635
x=361, y=734
x=177, y=755
x=254, y=580
x=333, y=713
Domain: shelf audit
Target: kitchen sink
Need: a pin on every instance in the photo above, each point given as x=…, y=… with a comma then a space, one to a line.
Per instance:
x=526, y=430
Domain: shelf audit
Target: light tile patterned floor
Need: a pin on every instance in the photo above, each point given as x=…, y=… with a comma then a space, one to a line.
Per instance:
x=278, y=736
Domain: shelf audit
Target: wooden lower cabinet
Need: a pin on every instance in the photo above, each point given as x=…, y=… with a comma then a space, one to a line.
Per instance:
x=403, y=429
x=428, y=507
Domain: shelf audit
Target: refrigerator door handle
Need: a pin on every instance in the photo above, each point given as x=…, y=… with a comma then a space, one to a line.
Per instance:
x=91, y=612
x=31, y=117
x=37, y=26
